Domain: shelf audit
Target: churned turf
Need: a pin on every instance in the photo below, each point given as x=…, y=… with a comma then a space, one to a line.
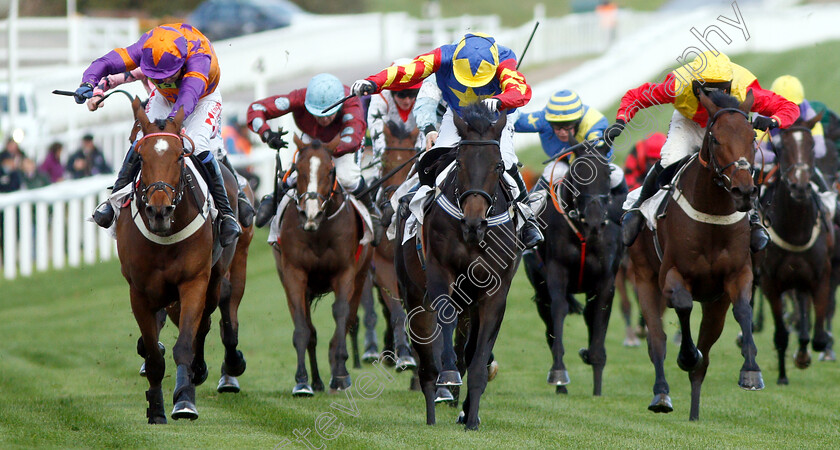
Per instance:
x=68, y=378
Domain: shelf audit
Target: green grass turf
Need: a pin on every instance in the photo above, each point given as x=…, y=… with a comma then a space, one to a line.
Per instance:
x=69, y=379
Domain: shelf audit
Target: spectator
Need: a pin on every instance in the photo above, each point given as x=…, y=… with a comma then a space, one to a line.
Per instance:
x=235, y=136
x=31, y=176
x=52, y=163
x=10, y=177
x=87, y=160
x=12, y=152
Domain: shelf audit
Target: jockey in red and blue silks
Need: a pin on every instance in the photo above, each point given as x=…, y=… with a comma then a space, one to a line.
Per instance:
x=182, y=64
x=473, y=69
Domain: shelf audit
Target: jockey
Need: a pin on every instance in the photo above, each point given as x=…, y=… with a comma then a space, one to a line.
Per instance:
x=564, y=122
x=708, y=72
x=641, y=159
x=182, y=64
x=473, y=69
x=306, y=106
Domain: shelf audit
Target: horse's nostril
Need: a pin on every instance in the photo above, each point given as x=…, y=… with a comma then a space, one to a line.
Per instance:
x=150, y=210
x=168, y=210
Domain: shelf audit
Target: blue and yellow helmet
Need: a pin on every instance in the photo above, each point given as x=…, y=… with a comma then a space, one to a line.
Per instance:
x=564, y=106
x=475, y=60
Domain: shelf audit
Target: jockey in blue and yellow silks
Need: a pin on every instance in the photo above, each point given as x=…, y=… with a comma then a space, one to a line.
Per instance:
x=473, y=69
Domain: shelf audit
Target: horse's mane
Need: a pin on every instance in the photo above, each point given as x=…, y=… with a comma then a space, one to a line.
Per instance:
x=723, y=99
x=478, y=117
x=398, y=131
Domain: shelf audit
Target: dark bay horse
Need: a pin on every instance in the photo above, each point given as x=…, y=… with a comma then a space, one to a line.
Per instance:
x=801, y=246
x=468, y=242
x=705, y=256
x=829, y=165
x=399, y=148
x=319, y=252
x=165, y=241
x=581, y=254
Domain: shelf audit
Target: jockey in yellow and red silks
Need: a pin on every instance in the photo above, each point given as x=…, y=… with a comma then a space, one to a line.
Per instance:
x=473, y=69
x=182, y=64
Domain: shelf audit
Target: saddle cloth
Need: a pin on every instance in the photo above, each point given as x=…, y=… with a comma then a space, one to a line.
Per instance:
x=361, y=210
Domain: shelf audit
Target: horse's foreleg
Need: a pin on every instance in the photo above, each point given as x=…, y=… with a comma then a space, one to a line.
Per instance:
x=652, y=307
x=802, y=358
x=488, y=321
x=822, y=337
x=597, y=316
x=395, y=332
x=424, y=332
x=154, y=362
x=294, y=282
x=738, y=288
x=439, y=292
x=678, y=297
x=781, y=333
x=557, y=282
x=711, y=325
x=344, y=310
x=317, y=383
x=193, y=296
x=368, y=305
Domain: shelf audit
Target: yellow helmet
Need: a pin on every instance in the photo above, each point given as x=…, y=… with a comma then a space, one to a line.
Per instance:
x=713, y=68
x=789, y=87
x=475, y=59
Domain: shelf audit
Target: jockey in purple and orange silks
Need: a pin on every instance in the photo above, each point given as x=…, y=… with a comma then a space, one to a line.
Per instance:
x=182, y=64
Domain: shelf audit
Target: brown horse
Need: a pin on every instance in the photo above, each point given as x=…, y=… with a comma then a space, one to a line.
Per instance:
x=165, y=242
x=319, y=252
x=399, y=148
x=801, y=246
x=471, y=253
x=705, y=256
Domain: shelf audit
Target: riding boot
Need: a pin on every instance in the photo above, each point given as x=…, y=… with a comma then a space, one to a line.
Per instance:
x=759, y=238
x=529, y=235
x=246, y=211
x=104, y=213
x=633, y=220
x=268, y=207
x=229, y=229
x=387, y=212
x=375, y=218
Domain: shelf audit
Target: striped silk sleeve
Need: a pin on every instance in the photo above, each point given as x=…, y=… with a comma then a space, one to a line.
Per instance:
x=396, y=77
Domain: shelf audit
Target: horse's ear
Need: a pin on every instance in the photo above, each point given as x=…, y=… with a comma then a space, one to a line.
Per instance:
x=499, y=126
x=139, y=113
x=333, y=144
x=179, y=117
x=747, y=104
x=298, y=141
x=707, y=103
x=460, y=125
x=813, y=120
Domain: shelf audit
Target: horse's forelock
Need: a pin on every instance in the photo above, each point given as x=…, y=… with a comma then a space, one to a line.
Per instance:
x=398, y=131
x=724, y=100
x=478, y=117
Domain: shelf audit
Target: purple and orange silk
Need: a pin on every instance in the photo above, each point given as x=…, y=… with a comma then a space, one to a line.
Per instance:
x=201, y=66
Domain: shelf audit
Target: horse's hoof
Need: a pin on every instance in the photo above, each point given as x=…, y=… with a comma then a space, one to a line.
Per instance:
x=688, y=365
x=443, y=395
x=449, y=378
x=561, y=390
x=406, y=363
x=584, y=356
x=828, y=356
x=492, y=370
x=184, y=409
x=370, y=355
x=143, y=370
x=318, y=385
x=199, y=373
x=302, y=390
x=235, y=370
x=631, y=341
x=462, y=420
x=751, y=380
x=558, y=377
x=340, y=383
x=782, y=381
x=661, y=404
x=228, y=383
x=157, y=420
x=802, y=359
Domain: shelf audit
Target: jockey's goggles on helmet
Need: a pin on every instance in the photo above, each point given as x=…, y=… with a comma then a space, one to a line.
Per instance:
x=407, y=93
x=709, y=87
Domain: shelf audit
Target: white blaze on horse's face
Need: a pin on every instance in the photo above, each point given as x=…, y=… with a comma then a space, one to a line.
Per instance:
x=311, y=205
x=161, y=146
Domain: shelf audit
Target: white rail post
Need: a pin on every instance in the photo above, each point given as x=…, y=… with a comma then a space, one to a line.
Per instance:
x=10, y=241
x=26, y=231
x=89, y=230
x=59, y=219
x=74, y=232
x=104, y=239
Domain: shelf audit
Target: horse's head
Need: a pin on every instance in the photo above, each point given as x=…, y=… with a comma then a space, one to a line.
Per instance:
x=399, y=147
x=479, y=167
x=316, y=180
x=587, y=192
x=728, y=145
x=161, y=153
x=796, y=157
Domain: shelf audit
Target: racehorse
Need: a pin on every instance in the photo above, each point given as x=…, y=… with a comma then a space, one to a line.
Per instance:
x=319, y=252
x=470, y=253
x=165, y=242
x=802, y=243
x=700, y=252
x=399, y=148
x=829, y=165
x=581, y=254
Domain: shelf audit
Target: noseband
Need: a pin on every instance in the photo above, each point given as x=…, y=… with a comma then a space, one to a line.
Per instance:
x=797, y=165
x=709, y=140
x=177, y=193
x=460, y=197
x=322, y=201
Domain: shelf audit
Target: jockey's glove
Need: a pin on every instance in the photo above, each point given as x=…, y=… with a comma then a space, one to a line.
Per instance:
x=363, y=87
x=492, y=104
x=614, y=130
x=83, y=92
x=274, y=139
x=764, y=123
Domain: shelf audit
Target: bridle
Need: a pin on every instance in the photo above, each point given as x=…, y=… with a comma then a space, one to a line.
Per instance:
x=177, y=193
x=500, y=168
x=709, y=140
x=312, y=195
x=784, y=174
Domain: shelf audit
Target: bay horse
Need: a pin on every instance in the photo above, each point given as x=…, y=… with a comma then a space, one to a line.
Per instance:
x=700, y=252
x=829, y=165
x=801, y=246
x=399, y=148
x=318, y=252
x=165, y=240
x=581, y=255
x=470, y=254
